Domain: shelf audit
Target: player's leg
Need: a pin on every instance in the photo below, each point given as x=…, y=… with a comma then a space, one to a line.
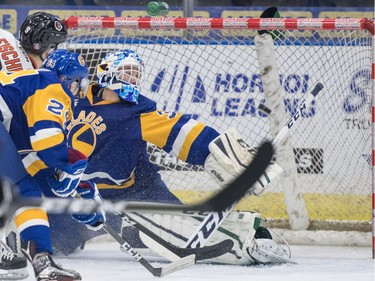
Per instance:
x=35, y=233
x=11, y=168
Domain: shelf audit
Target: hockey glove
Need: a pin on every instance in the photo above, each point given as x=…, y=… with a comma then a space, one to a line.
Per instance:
x=93, y=221
x=66, y=179
x=229, y=157
x=64, y=182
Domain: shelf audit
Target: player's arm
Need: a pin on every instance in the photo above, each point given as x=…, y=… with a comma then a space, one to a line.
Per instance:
x=178, y=134
x=48, y=112
x=224, y=156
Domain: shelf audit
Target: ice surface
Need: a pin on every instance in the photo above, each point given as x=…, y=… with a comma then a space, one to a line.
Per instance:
x=103, y=261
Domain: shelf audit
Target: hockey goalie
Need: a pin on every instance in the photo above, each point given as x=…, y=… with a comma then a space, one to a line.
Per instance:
x=253, y=243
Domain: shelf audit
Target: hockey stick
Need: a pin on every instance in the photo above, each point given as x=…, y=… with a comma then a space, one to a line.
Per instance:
x=214, y=219
x=10, y=201
x=155, y=271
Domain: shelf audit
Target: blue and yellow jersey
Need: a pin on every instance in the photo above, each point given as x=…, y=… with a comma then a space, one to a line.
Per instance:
x=35, y=108
x=114, y=136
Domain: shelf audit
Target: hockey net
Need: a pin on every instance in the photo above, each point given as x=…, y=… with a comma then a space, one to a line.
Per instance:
x=209, y=68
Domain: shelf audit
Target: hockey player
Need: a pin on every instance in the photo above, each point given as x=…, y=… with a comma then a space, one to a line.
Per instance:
x=35, y=106
x=112, y=127
x=40, y=34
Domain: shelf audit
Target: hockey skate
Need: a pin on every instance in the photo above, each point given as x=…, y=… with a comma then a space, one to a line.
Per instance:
x=47, y=270
x=11, y=266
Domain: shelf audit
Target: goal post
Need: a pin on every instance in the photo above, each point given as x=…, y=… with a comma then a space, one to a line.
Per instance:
x=209, y=68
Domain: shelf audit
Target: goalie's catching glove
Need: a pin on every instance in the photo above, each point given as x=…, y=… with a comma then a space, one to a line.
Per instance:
x=66, y=179
x=95, y=220
x=230, y=156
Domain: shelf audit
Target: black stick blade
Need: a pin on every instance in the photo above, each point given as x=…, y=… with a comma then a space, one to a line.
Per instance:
x=238, y=188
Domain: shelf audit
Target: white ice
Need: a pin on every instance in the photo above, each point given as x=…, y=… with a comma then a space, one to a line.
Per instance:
x=103, y=261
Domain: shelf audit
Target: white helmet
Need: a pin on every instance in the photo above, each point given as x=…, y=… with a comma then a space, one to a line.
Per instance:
x=114, y=67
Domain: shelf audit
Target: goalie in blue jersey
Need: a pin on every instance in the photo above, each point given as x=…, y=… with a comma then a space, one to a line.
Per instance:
x=112, y=127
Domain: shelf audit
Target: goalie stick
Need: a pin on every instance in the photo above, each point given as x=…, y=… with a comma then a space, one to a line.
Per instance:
x=155, y=271
x=214, y=219
x=183, y=257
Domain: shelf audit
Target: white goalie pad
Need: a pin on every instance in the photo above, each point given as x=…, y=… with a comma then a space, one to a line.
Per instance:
x=239, y=226
x=266, y=251
x=230, y=156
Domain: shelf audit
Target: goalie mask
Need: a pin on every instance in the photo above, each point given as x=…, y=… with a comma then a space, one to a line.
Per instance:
x=121, y=71
x=72, y=70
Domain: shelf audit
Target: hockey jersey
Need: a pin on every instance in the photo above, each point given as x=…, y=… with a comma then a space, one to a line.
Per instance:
x=12, y=56
x=114, y=136
x=35, y=108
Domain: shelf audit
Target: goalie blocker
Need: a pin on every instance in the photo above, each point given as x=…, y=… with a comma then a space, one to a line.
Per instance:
x=230, y=156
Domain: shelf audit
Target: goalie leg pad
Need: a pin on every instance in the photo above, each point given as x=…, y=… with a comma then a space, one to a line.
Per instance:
x=177, y=229
x=230, y=156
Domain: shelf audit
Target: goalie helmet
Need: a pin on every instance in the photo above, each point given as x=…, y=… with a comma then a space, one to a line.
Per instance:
x=40, y=32
x=70, y=67
x=122, y=72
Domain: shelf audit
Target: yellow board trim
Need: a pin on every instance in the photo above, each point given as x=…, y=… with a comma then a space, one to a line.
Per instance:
x=320, y=207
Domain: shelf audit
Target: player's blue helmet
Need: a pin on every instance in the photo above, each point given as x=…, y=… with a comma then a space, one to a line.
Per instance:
x=121, y=71
x=70, y=67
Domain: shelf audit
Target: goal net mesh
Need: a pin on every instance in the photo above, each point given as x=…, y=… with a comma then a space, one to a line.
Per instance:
x=213, y=74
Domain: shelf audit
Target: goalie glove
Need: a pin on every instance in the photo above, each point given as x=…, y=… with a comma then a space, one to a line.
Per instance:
x=230, y=156
x=95, y=220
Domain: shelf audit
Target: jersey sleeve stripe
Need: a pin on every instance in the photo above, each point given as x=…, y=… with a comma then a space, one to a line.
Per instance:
x=33, y=163
x=46, y=138
x=181, y=137
x=190, y=138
